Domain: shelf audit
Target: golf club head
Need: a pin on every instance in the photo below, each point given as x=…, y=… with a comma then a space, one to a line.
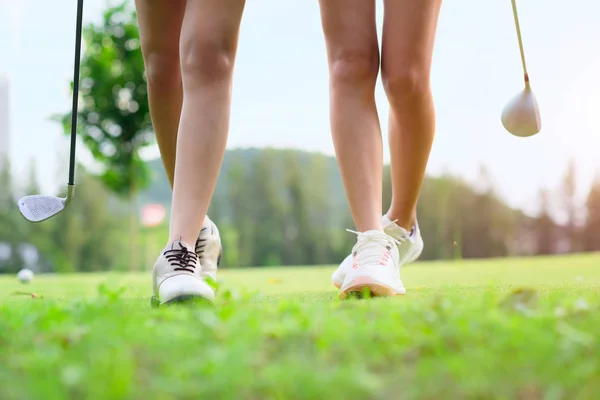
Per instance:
x=521, y=116
x=37, y=208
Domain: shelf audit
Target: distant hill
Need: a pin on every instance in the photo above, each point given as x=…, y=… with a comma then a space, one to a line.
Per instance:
x=159, y=190
x=450, y=210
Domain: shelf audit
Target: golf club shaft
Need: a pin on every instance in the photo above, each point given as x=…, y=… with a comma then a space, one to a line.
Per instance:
x=515, y=14
x=74, y=111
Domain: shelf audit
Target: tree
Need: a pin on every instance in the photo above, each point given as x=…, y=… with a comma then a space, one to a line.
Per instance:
x=306, y=223
x=241, y=217
x=544, y=226
x=497, y=223
x=262, y=195
x=9, y=235
x=114, y=120
x=437, y=212
x=90, y=236
x=569, y=205
x=268, y=211
x=592, y=222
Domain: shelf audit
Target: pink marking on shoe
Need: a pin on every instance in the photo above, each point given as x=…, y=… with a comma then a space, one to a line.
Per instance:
x=354, y=262
x=385, y=258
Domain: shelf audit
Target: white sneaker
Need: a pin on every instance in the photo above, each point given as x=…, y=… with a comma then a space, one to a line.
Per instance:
x=411, y=243
x=208, y=248
x=375, y=266
x=410, y=248
x=177, y=276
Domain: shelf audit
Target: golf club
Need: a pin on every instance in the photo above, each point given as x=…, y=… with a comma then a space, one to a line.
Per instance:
x=521, y=116
x=37, y=208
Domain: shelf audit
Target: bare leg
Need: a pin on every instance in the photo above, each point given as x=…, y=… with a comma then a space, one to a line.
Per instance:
x=209, y=39
x=160, y=28
x=353, y=54
x=408, y=38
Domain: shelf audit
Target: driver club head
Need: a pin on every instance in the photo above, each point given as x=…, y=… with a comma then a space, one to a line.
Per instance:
x=521, y=116
x=37, y=208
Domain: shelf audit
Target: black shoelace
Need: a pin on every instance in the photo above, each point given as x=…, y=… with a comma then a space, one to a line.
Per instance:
x=200, y=244
x=183, y=259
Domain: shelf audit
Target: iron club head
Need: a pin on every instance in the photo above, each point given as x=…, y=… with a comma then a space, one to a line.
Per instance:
x=37, y=208
x=521, y=116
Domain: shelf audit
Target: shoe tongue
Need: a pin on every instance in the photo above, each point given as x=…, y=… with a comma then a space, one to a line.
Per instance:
x=370, y=241
x=395, y=228
x=375, y=235
x=400, y=231
x=179, y=245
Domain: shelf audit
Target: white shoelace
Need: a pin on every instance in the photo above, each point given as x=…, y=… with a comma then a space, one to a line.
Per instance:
x=373, y=247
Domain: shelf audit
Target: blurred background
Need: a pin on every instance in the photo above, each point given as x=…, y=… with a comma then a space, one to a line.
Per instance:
x=280, y=200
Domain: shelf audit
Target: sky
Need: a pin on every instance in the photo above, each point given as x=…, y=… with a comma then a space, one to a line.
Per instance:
x=280, y=95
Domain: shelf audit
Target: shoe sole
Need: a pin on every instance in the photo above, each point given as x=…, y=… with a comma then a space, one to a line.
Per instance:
x=364, y=285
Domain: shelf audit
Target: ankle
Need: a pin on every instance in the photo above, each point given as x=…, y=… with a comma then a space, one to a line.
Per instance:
x=403, y=221
x=371, y=226
x=185, y=240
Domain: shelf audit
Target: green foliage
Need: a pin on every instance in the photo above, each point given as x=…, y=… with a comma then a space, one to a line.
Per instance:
x=88, y=236
x=276, y=207
x=280, y=207
x=285, y=207
x=544, y=226
x=570, y=207
x=9, y=223
x=113, y=120
x=591, y=230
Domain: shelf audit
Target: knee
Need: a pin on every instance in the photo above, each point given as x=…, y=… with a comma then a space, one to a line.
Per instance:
x=163, y=69
x=407, y=83
x=204, y=61
x=354, y=68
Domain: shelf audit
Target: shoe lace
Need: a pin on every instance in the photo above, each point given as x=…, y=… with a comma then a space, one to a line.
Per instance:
x=200, y=244
x=182, y=259
x=372, y=248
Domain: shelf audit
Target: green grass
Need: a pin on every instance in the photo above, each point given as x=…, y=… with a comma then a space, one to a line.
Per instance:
x=499, y=329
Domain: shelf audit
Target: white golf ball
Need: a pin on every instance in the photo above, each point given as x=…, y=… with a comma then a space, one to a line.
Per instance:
x=25, y=275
